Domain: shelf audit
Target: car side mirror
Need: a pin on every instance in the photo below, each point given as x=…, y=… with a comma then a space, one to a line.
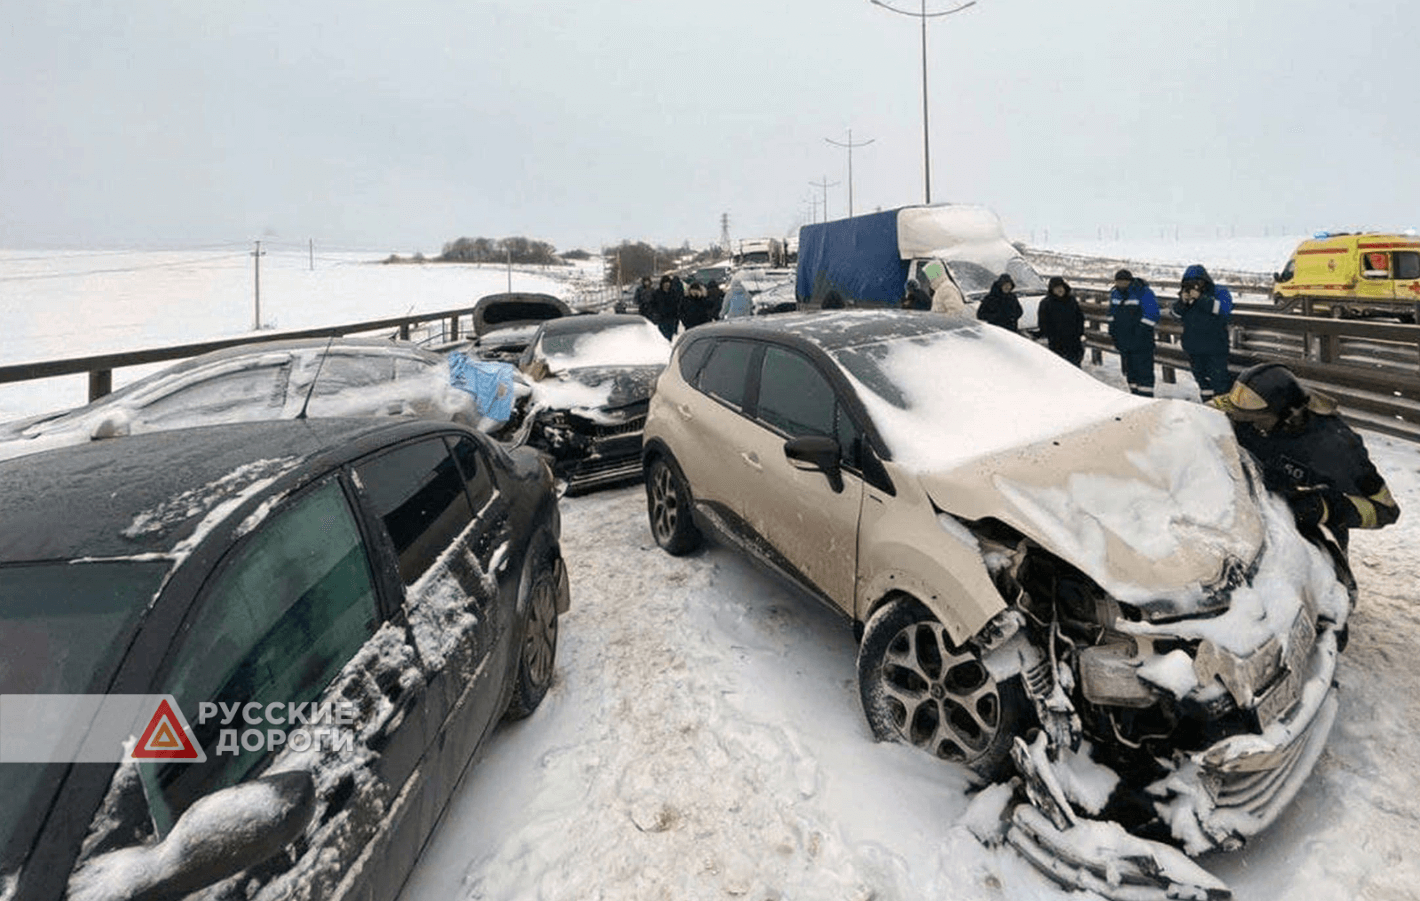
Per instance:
x=817, y=453
x=218, y=836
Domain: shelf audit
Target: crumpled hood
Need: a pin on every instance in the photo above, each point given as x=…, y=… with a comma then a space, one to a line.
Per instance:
x=624, y=385
x=1152, y=503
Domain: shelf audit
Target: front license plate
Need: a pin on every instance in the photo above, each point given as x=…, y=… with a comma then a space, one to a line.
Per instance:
x=1281, y=697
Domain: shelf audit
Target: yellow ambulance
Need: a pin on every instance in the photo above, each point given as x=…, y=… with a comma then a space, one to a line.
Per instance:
x=1352, y=275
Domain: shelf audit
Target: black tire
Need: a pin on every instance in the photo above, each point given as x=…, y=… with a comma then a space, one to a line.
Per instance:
x=919, y=689
x=668, y=508
x=537, y=651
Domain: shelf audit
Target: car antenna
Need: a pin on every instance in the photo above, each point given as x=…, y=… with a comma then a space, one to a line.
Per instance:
x=312, y=389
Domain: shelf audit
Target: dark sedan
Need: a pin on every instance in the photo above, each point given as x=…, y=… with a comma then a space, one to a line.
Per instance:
x=403, y=578
x=591, y=378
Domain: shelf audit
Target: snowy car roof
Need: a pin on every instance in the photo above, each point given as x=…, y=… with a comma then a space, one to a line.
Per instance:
x=836, y=330
x=149, y=493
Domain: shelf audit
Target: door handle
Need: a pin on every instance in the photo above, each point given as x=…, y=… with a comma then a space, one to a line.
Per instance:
x=684, y=411
x=752, y=459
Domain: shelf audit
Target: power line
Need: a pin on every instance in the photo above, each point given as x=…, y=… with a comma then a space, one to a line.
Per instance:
x=177, y=264
x=849, y=145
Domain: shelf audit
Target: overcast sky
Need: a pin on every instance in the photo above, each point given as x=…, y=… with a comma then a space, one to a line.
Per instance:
x=400, y=126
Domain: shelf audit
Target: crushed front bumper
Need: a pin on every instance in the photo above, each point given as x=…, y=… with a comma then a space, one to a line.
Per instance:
x=1236, y=788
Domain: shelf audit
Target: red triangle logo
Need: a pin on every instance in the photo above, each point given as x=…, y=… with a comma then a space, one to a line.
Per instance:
x=166, y=737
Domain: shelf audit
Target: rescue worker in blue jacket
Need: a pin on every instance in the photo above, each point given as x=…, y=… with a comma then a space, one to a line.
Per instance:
x=1204, y=308
x=1133, y=313
x=1307, y=453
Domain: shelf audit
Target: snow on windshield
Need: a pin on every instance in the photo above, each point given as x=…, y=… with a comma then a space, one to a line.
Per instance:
x=633, y=344
x=939, y=400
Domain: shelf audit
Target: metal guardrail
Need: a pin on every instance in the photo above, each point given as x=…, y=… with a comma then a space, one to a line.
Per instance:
x=100, y=367
x=1372, y=369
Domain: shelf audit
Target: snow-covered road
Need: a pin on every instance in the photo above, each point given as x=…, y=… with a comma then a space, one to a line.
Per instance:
x=704, y=740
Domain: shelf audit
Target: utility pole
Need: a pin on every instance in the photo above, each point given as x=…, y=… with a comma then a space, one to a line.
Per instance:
x=313, y=254
x=725, y=232
x=923, y=15
x=849, y=147
x=510, y=268
x=825, y=185
x=256, y=256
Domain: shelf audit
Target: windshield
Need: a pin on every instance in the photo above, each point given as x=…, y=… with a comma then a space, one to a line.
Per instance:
x=65, y=629
x=934, y=423
x=621, y=344
x=975, y=280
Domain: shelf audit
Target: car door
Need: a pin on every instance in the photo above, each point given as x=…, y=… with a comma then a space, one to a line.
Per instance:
x=710, y=425
x=808, y=520
x=282, y=618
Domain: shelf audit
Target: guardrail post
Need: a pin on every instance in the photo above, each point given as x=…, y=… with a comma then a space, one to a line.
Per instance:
x=1326, y=348
x=454, y=327
x=404, y=331
x=100, y=383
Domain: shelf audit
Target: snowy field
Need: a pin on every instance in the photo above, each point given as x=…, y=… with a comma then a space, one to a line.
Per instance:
x=703, y=737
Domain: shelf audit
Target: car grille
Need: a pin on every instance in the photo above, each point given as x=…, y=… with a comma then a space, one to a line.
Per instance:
x=632, y=427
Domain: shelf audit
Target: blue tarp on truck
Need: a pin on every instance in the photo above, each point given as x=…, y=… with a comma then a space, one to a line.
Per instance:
x=858, y=257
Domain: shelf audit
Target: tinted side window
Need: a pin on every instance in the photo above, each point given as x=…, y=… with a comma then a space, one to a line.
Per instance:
x=724, y=375
x=476, y=475
x=1407, y=264
x=418, y=492
x=252, y=393
x=692, y=358
x=794, y=397
x=276, y=625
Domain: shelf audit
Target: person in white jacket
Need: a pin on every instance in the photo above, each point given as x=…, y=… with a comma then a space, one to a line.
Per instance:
x=946, y=296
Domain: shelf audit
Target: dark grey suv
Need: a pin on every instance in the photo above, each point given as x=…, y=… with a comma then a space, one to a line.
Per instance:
x=408, y=574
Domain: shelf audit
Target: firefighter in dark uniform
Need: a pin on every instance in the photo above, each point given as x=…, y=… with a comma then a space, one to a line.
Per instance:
x=1307, y=453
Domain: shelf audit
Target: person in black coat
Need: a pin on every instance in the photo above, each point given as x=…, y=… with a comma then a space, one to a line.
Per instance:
x=1000, y=306
x=665, y=307
x=695, y=307
x=643, y=297
x=714, y=298
x=1061, y=322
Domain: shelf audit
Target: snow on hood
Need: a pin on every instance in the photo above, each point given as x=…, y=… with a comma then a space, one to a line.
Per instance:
x=634, y=344
x=1151, y=503
x=1147, y=497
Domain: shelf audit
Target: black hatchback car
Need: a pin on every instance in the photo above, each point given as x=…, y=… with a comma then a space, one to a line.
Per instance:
x=405, y=574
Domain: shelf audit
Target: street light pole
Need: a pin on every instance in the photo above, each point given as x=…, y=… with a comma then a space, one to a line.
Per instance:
x=923, y=15
x=850, y=145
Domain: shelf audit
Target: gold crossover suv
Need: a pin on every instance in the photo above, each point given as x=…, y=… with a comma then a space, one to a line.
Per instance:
x=1021, y=547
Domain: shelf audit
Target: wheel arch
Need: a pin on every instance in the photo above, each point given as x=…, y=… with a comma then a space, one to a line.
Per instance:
x=963, y=620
